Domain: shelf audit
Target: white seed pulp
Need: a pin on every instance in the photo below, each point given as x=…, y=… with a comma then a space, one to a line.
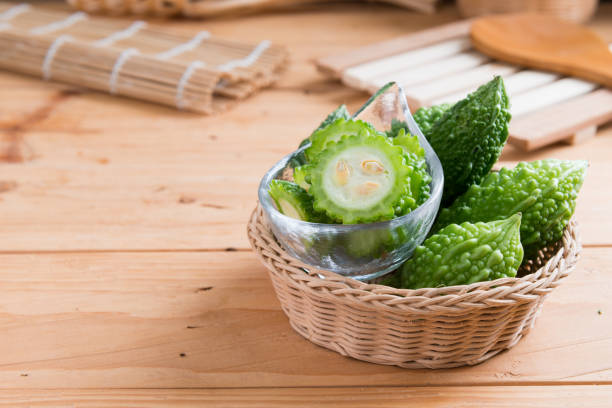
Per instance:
x=358, y=177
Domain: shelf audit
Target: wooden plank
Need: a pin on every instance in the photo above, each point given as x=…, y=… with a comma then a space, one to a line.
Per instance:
x=360, y=75
x=335, y=64
x=571, y=396
x=447, y=66
x=157, y=179
x=547, y=95
x=210, y=319
x=561, y=120
x=443, y=90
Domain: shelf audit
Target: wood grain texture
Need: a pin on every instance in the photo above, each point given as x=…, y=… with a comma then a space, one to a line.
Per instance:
x=544, y=42
x=115, y=215
x=574, y=396
x=156, y=179
x=211, y=319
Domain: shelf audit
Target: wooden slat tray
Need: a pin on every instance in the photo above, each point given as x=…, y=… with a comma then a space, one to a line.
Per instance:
x=439, y=65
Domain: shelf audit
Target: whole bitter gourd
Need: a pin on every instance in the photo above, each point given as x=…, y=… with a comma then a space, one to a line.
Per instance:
x=464, y=254
x=427, y=117
x=361, y=178
x=469, y=137
x=543, y=191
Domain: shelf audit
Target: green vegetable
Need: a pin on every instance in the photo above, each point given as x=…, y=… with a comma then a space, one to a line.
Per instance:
x=293, y=201
x=334, y=131
x=300, y=176
x=464, y=254
x=396, y=127
x=420, y=178
x=469, y=137
x=427, y=117
x=361, y=178
x=340, y=112
x=543, y=191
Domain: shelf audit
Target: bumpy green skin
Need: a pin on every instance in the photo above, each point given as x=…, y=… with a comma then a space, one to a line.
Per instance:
x=340, y=112
x=334, y=132
x=464, y=254
x=420, y=178
x=382, y=210
x=427, y=117
x=543, y=191
x=296, y=196
x=470, y=136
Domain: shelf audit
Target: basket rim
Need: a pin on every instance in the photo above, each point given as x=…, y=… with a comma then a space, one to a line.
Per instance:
x=502, y=292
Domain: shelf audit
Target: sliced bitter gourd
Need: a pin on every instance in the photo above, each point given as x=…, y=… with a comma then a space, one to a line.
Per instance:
x=334, y=132
x=359, y=179
x=301, y=177
x=420, y=178
x=464, y=254
x=543, y=191
x=340, y=112
x=293, y=201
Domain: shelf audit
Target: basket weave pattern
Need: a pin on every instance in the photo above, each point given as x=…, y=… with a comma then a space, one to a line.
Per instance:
x=433, y=328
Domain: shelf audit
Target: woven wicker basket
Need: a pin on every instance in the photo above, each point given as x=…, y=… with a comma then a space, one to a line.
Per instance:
x=433, y=328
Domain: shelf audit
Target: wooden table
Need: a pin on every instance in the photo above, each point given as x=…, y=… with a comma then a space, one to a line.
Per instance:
x=126, y=278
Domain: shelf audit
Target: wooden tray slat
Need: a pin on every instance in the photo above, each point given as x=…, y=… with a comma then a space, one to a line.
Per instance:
x=562, y=121
x=438, y=65
x=335, y=65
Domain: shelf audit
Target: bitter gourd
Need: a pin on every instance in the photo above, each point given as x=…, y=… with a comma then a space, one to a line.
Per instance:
x=464, y=254
x=427, y=117
x=543, y=191
x=293, y=201
x=339, y=112
x=420, y=177
x=469, y=137
x=300, y=176
x=334, y=131
x=361, y=178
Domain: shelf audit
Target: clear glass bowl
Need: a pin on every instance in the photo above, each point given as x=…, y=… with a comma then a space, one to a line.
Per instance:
x=361, y=251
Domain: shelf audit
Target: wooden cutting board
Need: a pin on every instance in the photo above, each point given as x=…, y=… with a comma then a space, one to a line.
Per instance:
x=440, y=65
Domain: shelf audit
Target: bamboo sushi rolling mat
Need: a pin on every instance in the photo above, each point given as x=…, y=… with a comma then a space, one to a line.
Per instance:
x=439, y=65
x=200, y=73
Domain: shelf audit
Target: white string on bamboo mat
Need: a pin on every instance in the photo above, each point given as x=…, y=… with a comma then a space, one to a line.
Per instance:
x=182, y=83
x=50, y=55
x=120, y=35
x=59, y=25
x=14, y=11
x=184, y=47
x=246, y=61
x=4, y=26
x=121, y=60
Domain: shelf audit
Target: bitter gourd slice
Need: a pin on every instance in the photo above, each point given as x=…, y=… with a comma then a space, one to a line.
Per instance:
x=339, y=112
x=427, y=117
x=543, y=191
x=469, y=137
x=464, y=254
x=301, y=177
x=359, y=179
x=334, y=131
x=293, y=201
x=420, y=178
